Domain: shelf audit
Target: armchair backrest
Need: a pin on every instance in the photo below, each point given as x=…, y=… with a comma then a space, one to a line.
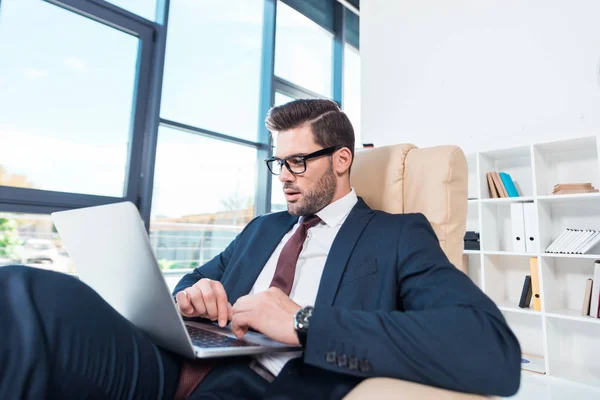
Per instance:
x=405, y=179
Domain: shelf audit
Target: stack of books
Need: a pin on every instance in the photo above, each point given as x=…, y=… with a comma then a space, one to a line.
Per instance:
x=573, y=188
x=574, y=241
x=591, y=298
x=501, y=185
x=472, y=240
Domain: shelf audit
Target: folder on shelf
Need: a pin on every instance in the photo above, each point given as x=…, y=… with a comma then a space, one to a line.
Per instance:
x=581, y=241
x=499, y=185
x=552, y=247
x=574, y=241
x=511, y=190
x=587, y=297
x=531, y=236
x=569, y=243
x=518, y=227
x=535, y=284
x=595, y=298
x=493, y=191
x=526, y=293
x=590, y=244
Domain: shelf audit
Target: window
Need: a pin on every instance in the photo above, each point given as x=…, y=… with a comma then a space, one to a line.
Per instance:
x=31, y=239
x=281, y=99
x=143, y=8
x=66, y=100
x=278, y=202
x=303, y=51
x=204, y=192
x=351, y=91
x=213, y=66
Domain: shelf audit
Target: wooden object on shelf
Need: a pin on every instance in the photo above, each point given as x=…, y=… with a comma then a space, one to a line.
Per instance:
x=491, y=186
x=535, y=284
x=574, y=188
x=499, y=185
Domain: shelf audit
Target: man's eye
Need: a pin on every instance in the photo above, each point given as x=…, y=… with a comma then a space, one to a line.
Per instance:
x=295, y=161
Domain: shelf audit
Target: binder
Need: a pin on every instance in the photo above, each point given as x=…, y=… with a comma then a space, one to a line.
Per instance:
x=493, y=191
x=568, y=243
x=509, y=185
x=532, y=243
x=588, y=240
x=577, y=246
x=518, y=227
x=595, y=291
x=535, y=283
x=587, y=297
x=560, y=238
x=590, y=245
x=526, y=293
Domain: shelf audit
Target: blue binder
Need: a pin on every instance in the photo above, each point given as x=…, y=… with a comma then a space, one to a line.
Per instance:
x=509, y=185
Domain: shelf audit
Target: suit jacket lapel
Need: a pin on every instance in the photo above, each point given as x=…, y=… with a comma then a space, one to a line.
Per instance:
x=254, y=260
x=340, y=251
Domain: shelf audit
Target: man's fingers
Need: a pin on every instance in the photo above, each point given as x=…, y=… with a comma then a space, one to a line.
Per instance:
x=197, y=301
x=221, y=300
x=210, y=300
x=184, y=304
x=239, y=325
x=229, y=311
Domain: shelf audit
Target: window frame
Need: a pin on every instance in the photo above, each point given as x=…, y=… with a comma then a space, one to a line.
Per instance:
x=146, y=117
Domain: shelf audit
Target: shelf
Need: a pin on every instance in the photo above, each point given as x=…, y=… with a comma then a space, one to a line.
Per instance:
x=582, y=256
x=572, y=315
x=572, y=372
x=509, y=253
x=509, y=307
x=568, y=198
x=471, y=252
x=473, y=201
x=508, y=200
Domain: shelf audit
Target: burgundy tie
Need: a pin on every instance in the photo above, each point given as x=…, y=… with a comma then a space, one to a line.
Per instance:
x=286, y=264
x=194, y=371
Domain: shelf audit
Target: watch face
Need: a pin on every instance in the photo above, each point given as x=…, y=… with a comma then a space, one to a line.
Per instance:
x=302, y=317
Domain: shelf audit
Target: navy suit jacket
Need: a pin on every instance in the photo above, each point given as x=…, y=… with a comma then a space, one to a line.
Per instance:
x=389, y=304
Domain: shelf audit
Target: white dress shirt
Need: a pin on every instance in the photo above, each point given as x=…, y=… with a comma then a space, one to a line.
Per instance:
x=309, y=267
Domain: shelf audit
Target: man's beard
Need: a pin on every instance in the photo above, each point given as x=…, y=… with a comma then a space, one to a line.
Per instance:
x=318, y=198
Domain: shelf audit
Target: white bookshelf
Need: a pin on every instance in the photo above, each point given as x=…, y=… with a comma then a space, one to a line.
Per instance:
x=568, y=341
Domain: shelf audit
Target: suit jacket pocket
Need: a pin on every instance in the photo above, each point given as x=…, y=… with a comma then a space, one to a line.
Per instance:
x=355, y=272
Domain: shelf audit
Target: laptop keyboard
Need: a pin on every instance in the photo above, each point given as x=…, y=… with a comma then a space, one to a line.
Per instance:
x=208, y=339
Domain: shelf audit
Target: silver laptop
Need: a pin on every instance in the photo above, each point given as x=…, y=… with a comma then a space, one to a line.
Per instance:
x=111, y=251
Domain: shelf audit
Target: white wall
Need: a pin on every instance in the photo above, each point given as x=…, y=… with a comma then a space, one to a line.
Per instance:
x=481, y=74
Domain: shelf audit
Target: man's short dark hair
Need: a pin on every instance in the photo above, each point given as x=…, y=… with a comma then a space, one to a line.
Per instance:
x=329, y=124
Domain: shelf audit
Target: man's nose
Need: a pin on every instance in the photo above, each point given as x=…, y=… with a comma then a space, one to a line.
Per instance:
x=285, y=175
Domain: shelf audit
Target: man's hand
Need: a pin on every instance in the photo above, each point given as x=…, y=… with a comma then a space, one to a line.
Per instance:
x=270, y=312
x=206, y=299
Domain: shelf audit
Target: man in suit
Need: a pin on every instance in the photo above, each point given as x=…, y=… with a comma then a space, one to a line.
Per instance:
x=365, y=293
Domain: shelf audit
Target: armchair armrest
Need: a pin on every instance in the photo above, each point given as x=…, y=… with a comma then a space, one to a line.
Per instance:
x=388, y=389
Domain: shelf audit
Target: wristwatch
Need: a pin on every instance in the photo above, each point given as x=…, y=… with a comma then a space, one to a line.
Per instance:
x=301, y=323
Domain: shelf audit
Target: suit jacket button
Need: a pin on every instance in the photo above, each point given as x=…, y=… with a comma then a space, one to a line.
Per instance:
x=330, y=357
x=365, y=366
x=353, y=363
x=342, y=360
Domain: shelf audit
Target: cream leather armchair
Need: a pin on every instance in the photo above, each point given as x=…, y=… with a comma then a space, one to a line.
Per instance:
x=406, y=179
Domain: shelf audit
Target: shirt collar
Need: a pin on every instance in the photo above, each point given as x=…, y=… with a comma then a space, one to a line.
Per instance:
x=334, y=213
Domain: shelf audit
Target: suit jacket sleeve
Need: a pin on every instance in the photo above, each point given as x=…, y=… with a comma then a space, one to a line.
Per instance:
x=448, y=334
x=214, y=268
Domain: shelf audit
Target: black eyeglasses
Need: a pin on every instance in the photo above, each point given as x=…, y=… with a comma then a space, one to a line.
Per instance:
x=297, y=164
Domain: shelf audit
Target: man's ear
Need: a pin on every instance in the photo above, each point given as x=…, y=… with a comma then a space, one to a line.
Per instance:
x=343, y=160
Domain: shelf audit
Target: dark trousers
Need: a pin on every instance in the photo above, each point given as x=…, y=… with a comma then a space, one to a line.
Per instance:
x=59, y=339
